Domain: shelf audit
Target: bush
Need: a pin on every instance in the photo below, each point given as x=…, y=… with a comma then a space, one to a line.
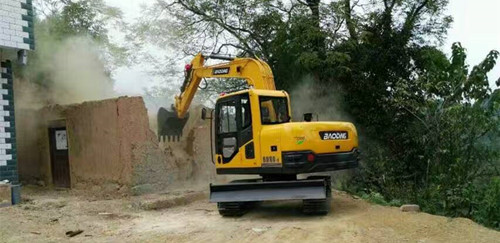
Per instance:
x=487, y=212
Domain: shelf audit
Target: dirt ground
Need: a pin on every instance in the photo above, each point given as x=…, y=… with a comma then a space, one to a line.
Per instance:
x=186, y=216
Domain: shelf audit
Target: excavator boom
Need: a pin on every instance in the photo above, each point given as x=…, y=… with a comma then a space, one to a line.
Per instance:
x=256, y=72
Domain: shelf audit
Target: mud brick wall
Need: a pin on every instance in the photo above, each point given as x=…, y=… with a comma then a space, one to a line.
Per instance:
x=110, y=143
x=101, y=138
x=8, y=156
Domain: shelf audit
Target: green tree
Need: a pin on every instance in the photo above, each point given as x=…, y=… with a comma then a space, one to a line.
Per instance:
x=450, y=139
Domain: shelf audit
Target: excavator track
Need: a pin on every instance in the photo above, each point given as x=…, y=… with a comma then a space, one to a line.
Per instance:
x=234, y=209
x=316, y=206
x=238, y=197
x=319, y=206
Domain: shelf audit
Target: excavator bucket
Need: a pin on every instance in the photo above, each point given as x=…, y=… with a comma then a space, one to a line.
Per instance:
x=169, y=125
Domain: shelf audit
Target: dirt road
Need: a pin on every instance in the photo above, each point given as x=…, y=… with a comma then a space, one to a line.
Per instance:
x=48, y=215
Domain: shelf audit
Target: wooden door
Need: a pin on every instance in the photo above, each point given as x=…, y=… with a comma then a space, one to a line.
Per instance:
x=59, y=157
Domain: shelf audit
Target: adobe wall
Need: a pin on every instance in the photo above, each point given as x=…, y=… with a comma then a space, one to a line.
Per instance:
x=101, y=135
x=110, y=141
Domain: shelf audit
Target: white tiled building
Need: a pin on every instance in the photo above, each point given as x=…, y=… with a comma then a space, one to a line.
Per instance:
x=16, y=38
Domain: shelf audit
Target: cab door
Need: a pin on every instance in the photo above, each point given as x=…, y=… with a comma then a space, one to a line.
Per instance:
x=226, y=129
x=233, y=129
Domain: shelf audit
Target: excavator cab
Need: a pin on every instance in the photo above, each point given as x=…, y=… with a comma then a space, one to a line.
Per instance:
x=238, y=119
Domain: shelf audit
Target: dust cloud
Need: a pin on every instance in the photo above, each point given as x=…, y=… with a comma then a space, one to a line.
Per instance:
x=324, y=101
x=65, y=72
x=326, y=104
x=78, y=73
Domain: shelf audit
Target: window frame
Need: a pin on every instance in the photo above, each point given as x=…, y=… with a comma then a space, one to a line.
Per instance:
x=261, y=99
x=249, y=111
x=221, y=121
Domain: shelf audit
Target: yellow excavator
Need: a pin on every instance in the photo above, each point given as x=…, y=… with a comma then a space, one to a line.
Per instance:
x=254, y=134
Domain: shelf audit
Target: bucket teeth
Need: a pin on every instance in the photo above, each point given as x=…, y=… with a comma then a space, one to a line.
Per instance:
x=170, y=126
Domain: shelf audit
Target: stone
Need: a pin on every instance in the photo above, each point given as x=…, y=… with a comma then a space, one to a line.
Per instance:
x=410, y=208
x=5, y=195
x=41, y=183
x=142, y=189
x=260, y=230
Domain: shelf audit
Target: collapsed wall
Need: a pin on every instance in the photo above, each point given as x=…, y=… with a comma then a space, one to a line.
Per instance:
x=189, y=160
x=110, y=141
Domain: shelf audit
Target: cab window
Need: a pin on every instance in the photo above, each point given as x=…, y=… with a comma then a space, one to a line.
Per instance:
x=227, y=117
x=274, y=110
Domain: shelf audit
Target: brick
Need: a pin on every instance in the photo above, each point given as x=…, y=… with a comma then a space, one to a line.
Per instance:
x=5, y=146
x=8, y=108
x=17, y=39
x=22, y=34
x=23, y=46
x=6, y=157
x=12, y=162
x=9, y=31
x=10, y=44
x=27, y=18
x=8, y=173
x=23, y=23
x=28, y=41
x=8, y=167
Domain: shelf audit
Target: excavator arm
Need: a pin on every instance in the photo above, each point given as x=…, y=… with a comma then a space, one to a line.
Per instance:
x=256, y=72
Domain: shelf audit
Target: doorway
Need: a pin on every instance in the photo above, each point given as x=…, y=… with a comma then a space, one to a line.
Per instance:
x=59, y=157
